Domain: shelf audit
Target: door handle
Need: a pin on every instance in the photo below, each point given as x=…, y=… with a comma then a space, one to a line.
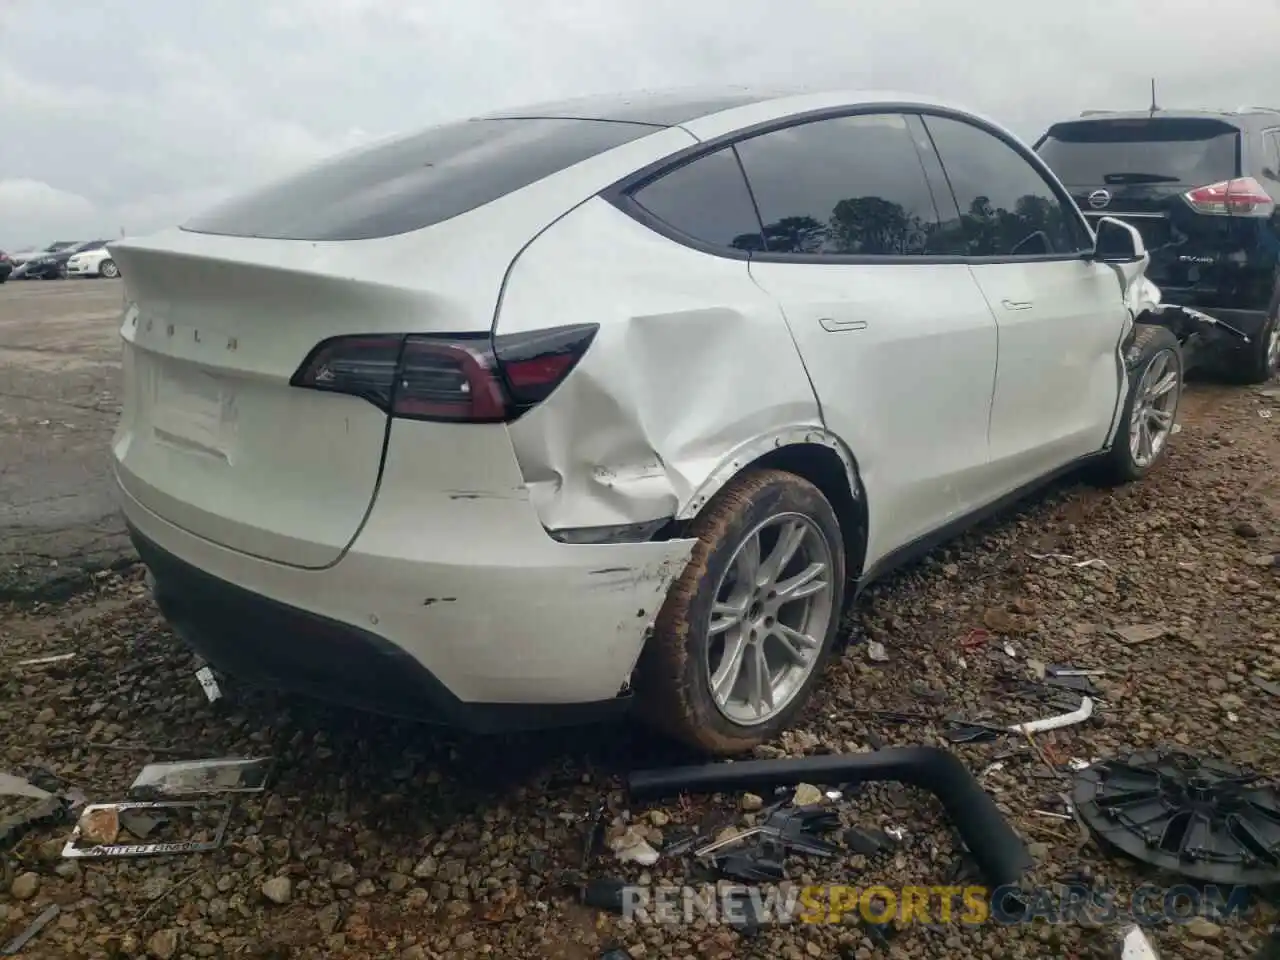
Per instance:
x=832, y=325
x=1017, y=304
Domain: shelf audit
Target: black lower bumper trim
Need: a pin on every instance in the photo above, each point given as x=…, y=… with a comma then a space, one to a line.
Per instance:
x=267, y=643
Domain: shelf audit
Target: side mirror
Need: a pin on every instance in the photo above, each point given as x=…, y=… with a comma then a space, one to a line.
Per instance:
x=1117, y=242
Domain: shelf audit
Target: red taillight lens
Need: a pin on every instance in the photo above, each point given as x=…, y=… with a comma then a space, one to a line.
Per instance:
x=1241, y=197
x=458, y=378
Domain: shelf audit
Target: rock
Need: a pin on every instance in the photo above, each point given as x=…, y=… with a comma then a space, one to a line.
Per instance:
x=751, y=803
x=1216, y=684
x=658, y=818
x=25, y=886
x=1001, y=621
x=278, y=890
x=1247, y=530
x=397, y=882
x=427, y=867
x=329, y=918
x=99, y=827
x=1203, y=929
x=46, y=715
x=807, y=795
x=465, y=940
x=1038, y=851
x=163, y=944
x=632, y=847
x=342, y=875
x=366, y=888
x=415, y=952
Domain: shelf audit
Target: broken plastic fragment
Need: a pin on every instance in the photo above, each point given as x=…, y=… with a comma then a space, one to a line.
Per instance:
x=197, y=777
x=208, y=684
x=1091, y=564
x=43, y=661
x=1141, y=632
x=876, y=652
x=1136, y=946
x=1079, y=715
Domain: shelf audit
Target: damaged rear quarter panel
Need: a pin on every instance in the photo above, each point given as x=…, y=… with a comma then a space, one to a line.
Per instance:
x=693, y=365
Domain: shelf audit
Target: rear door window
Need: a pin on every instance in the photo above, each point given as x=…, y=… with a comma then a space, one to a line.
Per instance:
x=1007, y=207
x=706, y=200
x=416, y=181
x=1173, y=150
x=840, y=187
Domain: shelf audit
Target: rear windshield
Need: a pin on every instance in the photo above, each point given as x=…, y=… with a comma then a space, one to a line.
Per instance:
x=415, y=181
x=1177, y=151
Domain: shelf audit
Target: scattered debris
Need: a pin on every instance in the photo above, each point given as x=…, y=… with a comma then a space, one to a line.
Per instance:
x=1065, y=557
x=45, y=661
x=1134, y=945
x=11, y=786
x=205, y=836
x=996, y=848
x=187, y=778
x=1204, y=819
x=1002, y=621
x=1095, y=564
x=605, y=893
x=1264, y=413
x=1141, y=633
x=14, y=946
x=1079, y=715
x=1010, y=651
x=632, y=847
x=208, y=684
x=876, y=652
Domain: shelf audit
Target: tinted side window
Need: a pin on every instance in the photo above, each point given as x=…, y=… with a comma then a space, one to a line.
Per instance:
x=1272, y=144
x=1007, y=208
x=416, y=181
x=707, y=200
x=850, y=185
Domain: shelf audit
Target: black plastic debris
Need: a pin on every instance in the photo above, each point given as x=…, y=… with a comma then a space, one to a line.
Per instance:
x=868, y=843
x=604, y=893
x=764, y=864
x=996, y=847
x=1202, y=818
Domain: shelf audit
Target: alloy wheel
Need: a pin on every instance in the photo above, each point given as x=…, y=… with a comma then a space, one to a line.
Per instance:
x=773, y=606
x=1154, y=407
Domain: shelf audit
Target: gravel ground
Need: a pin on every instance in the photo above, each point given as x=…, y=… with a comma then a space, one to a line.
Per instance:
x=382, y=839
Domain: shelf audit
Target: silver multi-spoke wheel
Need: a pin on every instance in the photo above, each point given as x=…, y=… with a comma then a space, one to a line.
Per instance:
x=769, y=621
x=1154, y=406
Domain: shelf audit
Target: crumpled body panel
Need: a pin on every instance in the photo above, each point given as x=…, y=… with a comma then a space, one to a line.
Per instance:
x=693, y=370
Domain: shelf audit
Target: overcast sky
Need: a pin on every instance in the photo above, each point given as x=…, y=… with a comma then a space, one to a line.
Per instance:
x=137, y=113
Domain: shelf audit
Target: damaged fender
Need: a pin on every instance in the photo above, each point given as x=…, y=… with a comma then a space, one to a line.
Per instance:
x=687, y=380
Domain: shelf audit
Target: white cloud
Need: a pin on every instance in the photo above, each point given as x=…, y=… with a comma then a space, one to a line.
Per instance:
x=148, y=109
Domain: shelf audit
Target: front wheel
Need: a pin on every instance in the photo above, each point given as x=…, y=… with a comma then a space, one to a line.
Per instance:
x=1154, y=366
x=741, y=639
x=109, y=269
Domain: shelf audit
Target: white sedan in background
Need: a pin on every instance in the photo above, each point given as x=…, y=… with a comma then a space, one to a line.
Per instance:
x=97, y=262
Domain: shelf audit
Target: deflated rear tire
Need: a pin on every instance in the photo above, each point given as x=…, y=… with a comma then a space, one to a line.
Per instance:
x=743, y=635
x=1154, y=367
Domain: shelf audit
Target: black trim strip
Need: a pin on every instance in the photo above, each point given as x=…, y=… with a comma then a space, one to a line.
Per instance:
x=619, y=193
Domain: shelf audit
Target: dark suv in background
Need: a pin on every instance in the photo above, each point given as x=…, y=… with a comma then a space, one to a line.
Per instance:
x=1201, y=187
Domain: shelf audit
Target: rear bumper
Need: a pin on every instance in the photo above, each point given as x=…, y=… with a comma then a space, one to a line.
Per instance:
x=503, y=634
x=1249, y=322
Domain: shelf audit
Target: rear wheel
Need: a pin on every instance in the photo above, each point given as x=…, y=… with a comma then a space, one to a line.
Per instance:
x=109, y=269
x=741, y=639
x=1155, y=370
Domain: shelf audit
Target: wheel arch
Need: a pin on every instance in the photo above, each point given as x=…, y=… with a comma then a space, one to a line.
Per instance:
x=816, y=455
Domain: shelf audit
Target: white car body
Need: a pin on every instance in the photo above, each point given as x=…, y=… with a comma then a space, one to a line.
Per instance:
x=486, y=564
x=88, y=263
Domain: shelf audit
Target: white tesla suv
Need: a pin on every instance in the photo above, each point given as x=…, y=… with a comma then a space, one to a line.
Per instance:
x=518, y=420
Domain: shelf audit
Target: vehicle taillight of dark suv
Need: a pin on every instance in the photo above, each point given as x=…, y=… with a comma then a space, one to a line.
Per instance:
x=1201, y=187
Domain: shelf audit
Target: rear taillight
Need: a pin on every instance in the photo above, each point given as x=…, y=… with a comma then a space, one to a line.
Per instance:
x=1241, y=197
x=454, y=377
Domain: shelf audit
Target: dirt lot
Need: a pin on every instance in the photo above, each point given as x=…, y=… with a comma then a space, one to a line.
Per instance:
x=59, y=363
x=383, y=839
